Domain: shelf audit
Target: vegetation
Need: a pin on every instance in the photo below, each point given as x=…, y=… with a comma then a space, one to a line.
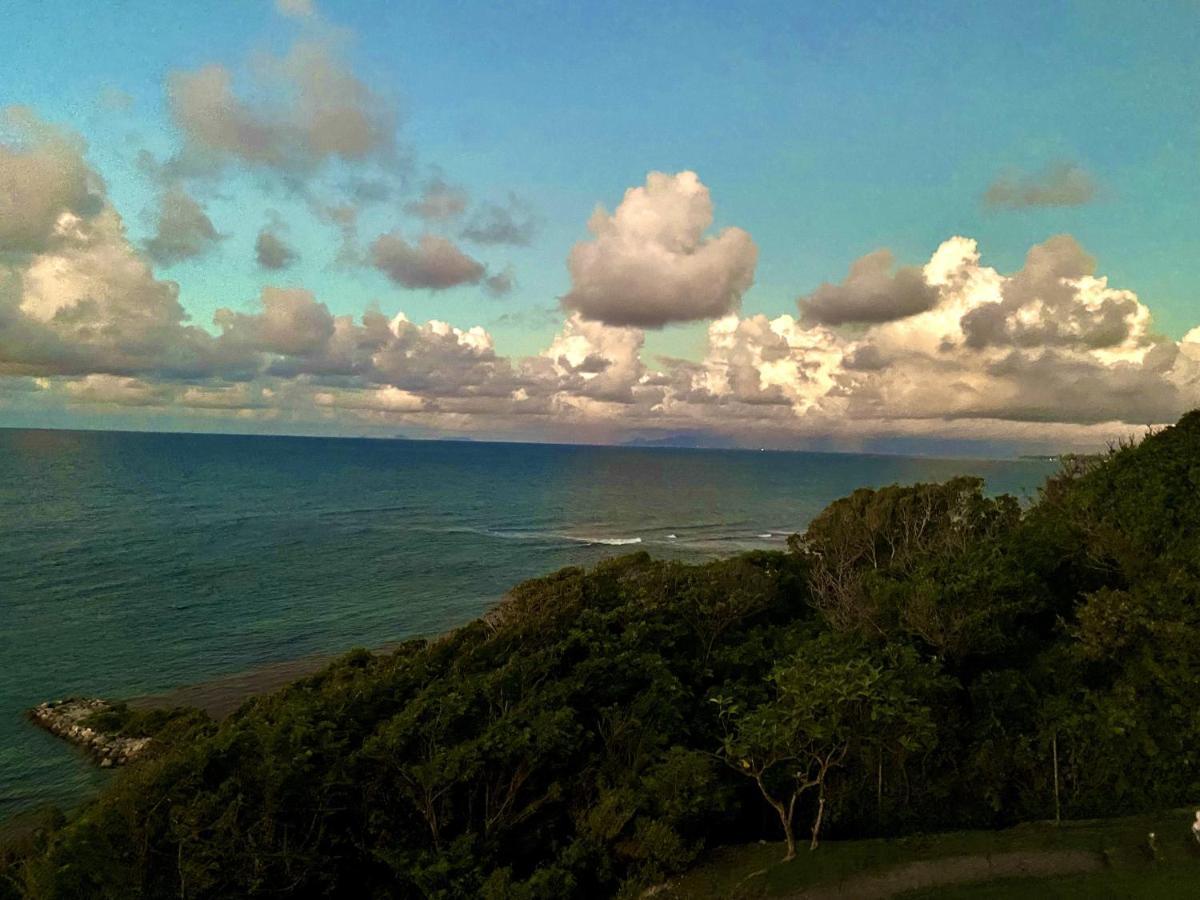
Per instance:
x=121, y=720
x=922, y=658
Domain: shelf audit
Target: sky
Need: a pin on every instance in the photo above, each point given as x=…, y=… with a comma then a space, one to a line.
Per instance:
x=847, y=226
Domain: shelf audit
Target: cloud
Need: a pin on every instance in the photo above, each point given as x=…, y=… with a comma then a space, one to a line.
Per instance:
x=271, y=251
x=304, y=109
x=42, y=176
x=513, y=223
x=649, y=263
x=433, y=262
x=184, y=230
x=75, y=296
x=292, y=323
x=438, y=202
x=440, y=361
x=1059, y=184
x=501, y=283
x=1050, y=352
x=1055, y=300
x=760, y=361
x=871, y=293
x=596, y=361
x=116, y=391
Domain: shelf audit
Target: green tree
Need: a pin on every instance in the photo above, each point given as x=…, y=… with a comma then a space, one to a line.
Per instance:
x=827, y=699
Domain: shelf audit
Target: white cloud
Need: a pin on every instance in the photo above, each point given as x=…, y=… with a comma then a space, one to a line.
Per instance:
x=1051, y=351
x=649, y=263
x=596, y=360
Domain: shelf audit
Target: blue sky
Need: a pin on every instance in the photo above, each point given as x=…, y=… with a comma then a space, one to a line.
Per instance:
x=826, y=131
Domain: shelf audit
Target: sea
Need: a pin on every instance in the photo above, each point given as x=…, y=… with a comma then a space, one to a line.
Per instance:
x=135, y=563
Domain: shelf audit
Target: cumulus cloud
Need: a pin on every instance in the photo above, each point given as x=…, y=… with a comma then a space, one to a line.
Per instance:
x=1060, y=184
x=1055, y=300
x=1050, y=352
x=513, y=223
x=184, y=229
x=650, y=263
x=439, y=201
x=42, y=176
x=597, y=361
x=438, y=360
x=872, y=292
x=303, y=108
x=75, y=296
x=292, y=323
x=433, y=262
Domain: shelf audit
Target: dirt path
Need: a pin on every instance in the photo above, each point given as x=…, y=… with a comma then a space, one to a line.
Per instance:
x=955, y=870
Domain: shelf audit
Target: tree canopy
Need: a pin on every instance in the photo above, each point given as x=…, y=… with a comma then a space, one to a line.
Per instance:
x=923, y=656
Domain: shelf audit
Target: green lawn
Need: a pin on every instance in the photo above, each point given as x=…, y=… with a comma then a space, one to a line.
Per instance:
x=1130, y=868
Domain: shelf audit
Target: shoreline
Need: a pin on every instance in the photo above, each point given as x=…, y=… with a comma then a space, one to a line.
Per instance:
x=222, y=695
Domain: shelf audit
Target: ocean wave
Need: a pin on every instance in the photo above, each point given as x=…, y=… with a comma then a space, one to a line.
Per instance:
x=557, y=536
x=612, y=542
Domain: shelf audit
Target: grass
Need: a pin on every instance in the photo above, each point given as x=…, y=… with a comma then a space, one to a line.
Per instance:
x=1131, y=869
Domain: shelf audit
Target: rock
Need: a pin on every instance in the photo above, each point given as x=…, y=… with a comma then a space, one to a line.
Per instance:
x=63, y=719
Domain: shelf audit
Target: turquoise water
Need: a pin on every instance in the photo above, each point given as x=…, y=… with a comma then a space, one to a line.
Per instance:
x=135, y=563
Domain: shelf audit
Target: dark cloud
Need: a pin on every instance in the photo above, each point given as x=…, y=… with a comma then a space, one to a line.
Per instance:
x=1060, y=184
x=184, y=230
x=871, y=293
x=271, y=251
x=433, y=262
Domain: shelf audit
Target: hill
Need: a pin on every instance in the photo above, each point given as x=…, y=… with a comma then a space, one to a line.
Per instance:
x=924, y=657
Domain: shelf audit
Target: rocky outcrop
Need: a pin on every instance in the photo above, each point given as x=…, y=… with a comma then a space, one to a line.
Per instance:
x=65, y=719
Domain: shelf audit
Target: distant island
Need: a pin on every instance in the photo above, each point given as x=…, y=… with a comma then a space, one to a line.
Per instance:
x=923, y=657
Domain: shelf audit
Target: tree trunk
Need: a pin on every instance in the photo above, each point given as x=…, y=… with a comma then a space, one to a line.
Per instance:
x=816, y=829
x=785, y=817
x=1057, y=804
x=879, y=791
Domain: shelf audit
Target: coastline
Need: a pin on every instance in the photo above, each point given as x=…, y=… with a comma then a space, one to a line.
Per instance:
x=222, y=695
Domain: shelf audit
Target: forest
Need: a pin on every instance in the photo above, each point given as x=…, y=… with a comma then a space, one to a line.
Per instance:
x=921, y=657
